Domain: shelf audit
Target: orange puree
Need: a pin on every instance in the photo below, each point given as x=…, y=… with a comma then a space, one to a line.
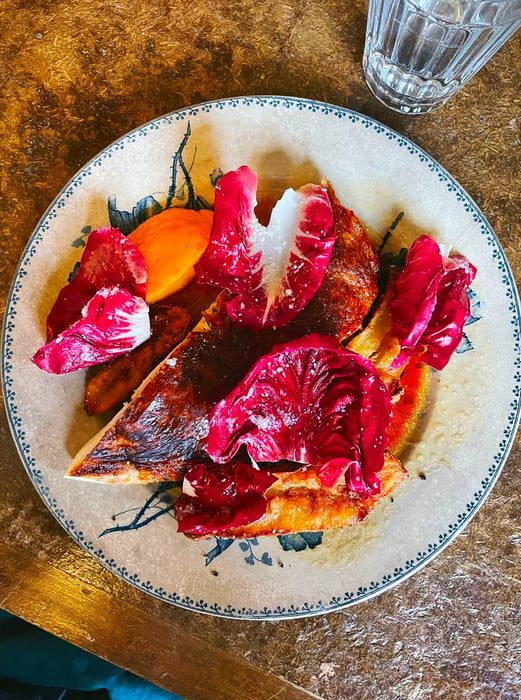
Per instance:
x=406, y=412
x=171, y=243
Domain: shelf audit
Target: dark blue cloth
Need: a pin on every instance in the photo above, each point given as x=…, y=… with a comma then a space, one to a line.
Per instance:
x=31, y=656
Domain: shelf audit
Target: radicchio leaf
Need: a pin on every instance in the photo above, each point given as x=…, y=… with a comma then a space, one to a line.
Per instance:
x=310, y=401
x=110, y=324
x=431, y=304
x=219, y=497
x=109, y=259
x=272, y=271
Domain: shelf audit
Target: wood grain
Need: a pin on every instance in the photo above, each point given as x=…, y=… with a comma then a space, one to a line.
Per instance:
x=93, y=620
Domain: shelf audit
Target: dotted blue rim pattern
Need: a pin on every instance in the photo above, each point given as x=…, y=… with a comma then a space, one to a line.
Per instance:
x=409, y=566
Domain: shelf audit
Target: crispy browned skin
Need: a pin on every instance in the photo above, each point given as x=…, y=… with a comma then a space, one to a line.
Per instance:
x=195, y=298
x=297, y=502
x=378, y=343
x=165, y=425
x=116, y=380
x=350, y=286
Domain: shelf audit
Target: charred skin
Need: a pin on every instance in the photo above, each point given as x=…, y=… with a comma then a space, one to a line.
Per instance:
x=116, y=380
x=170, y=320
x=350, y=286
x=165, y=425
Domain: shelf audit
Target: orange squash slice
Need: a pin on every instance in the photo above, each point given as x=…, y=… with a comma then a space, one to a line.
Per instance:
x=171, y=243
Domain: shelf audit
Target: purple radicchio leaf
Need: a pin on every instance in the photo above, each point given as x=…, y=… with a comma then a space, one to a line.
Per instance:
x=431, y=303
x=273, y=271
x=109, y=259
x=112, y=323
x=218, y=497
x=310, y=401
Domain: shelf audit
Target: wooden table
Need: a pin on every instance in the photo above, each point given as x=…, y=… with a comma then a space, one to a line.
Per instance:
x=75, y=76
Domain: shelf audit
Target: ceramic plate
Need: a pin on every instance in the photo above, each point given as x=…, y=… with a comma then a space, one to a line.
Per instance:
x=458, y=450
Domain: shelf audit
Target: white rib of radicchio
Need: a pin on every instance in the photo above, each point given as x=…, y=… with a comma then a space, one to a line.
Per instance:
x=218, y=497
x=102, y=312
x=273, y=271
x=112, y=323
x=311, y=401
x=431, y=303
x=109, y=259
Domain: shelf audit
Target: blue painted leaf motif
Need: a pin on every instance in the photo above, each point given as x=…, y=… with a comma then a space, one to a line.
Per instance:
x=74, y=272
x=221, y=544
x=385, y=239
x=300, y=541
x=154, y=507
x=215, y=176
x=80, y=242
x=179, y=167
x=127, y=221
x=147, y=207
x=475, y=315
x=465, y=345
x=246, y=546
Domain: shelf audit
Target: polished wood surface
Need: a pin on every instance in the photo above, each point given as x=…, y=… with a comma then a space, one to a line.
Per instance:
x=160, y=649
x=75, y=76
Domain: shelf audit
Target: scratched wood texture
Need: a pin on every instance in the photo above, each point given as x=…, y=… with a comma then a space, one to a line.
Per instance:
x=75, y=75
x=170, y=653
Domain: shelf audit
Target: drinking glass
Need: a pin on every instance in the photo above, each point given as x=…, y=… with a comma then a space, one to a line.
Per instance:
x=418, y=53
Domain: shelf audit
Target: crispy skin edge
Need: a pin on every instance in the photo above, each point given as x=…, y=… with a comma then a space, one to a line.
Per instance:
x=297, y=502
x=129, y=475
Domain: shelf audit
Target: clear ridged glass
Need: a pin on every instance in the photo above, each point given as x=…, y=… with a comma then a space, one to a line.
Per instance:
x=418, y=53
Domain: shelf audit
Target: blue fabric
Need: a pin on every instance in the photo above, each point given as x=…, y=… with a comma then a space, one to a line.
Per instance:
x=32, y=656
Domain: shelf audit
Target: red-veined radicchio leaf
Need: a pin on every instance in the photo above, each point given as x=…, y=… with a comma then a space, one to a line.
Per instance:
x=109, y=259
x=219, y=497
x=431, y=304
x=111, y=323
x=310, y=401
x=273, y=271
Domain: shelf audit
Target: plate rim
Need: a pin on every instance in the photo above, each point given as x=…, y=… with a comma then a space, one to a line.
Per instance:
x=280, y=612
